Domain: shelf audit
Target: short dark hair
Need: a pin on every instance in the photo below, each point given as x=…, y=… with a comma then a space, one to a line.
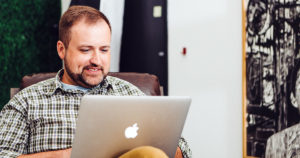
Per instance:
x=75, y=14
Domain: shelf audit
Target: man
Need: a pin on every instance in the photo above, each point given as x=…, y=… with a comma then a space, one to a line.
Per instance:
x=286, y=143
x=40, y=120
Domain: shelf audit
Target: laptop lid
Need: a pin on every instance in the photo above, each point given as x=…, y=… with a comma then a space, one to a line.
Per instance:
x=109, y=126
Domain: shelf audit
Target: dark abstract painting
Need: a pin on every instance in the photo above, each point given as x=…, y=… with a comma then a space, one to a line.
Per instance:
x=272, y=38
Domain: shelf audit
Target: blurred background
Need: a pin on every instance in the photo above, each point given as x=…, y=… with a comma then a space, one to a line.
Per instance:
x=28, y=32
x=193, y=46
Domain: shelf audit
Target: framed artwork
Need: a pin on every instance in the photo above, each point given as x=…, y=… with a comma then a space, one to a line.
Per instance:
x=271, y=45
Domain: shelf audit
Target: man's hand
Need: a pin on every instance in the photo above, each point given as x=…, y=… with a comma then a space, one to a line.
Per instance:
x=66, y=153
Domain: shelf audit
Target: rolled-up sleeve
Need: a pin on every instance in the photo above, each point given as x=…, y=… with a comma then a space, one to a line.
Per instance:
x=184, y=147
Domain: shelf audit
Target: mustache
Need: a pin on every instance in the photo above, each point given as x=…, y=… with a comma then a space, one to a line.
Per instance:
x=93, y=67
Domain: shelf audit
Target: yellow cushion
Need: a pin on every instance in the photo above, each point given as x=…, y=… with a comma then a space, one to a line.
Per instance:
x=144, y=152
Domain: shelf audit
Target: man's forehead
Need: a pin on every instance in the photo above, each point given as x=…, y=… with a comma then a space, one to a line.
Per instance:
x=89, y=33
x=83, y=28
x=87, y=23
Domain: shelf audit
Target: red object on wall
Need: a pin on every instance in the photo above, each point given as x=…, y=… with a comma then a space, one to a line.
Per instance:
x=184, y=51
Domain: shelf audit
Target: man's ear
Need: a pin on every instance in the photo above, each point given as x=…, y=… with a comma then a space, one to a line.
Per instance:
x=61, y=50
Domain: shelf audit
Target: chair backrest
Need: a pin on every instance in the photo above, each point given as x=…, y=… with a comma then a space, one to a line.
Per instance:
x=147, y=83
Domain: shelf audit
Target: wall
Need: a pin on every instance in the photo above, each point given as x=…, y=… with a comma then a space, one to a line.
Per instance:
x=211, y=73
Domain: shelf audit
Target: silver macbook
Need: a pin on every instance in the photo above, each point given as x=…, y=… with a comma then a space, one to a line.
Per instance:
x=109, y=126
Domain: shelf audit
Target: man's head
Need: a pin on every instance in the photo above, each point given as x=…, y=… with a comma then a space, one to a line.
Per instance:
x=75, y=14
x=84, y=46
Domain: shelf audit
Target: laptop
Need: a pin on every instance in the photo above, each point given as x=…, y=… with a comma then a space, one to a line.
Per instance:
x=109, y=126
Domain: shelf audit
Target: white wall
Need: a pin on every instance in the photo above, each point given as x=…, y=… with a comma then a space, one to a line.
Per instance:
x=114, y=10
x=64, y=5
x=211, y=73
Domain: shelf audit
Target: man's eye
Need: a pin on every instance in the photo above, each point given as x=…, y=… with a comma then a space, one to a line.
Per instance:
x=84, y=50
x=104, y=50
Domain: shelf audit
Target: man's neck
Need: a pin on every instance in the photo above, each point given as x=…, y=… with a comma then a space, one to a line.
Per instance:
x=73, y=87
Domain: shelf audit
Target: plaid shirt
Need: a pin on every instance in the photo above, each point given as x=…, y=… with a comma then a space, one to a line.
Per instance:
x=42, y=117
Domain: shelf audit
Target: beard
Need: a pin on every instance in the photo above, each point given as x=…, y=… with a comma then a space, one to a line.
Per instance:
x=81, y=79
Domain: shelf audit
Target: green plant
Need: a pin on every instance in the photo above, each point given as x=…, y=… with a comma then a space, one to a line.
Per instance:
x=29, y=32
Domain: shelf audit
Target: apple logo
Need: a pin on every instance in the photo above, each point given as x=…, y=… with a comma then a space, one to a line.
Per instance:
x=131, y=131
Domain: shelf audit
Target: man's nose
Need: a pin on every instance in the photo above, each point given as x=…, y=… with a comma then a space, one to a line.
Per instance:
x=96, y=58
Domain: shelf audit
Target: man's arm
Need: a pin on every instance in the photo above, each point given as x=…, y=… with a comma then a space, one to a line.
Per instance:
x=66, y=153
x=184, y=148
x=13, y=128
